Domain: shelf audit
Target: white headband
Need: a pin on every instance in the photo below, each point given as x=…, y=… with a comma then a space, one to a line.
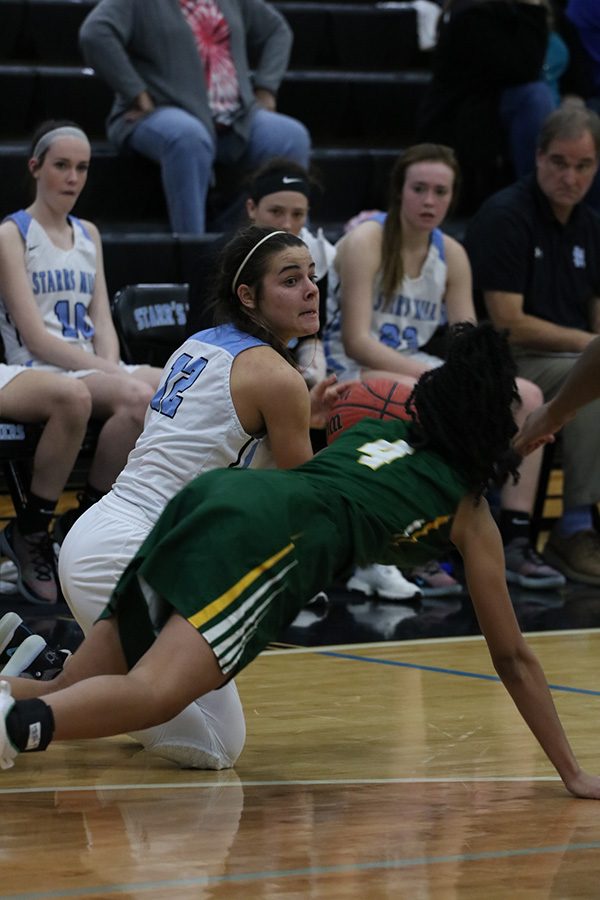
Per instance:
x=62, y=131
x=248, y=255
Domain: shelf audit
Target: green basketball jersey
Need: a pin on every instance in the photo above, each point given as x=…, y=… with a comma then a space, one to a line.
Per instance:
x=402, y=500
x=238, y=552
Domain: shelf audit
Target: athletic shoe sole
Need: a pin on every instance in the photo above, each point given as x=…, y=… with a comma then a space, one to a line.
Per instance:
x=8, y=625
x=7, y=751
x=24, y=655
x=550, y=581
x=357, y=586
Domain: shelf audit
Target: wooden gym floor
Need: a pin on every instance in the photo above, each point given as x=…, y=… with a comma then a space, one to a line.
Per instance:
x=397, y=768
x=393, y=770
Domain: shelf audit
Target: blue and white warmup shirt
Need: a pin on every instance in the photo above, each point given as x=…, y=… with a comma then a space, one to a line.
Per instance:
x=405, y=323
x=62, y=282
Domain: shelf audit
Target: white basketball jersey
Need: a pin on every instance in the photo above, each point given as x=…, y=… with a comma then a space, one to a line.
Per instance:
x=62, y=282
x=191, y=425
x=405, y=324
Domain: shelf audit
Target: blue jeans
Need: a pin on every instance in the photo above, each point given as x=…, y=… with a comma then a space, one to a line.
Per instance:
x=186, y=152
x=523, y=109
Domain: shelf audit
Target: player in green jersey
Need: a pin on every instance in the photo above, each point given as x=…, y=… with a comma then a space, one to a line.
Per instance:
x=236, y=554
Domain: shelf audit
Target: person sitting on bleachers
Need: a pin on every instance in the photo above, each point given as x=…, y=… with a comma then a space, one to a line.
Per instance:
x=535, y=252
x=55, y=310
x=63, y=405
x=184, y=93
x=487, y=97
x=396, y=278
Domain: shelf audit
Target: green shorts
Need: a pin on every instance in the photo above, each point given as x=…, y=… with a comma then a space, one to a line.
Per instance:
x=237, y=553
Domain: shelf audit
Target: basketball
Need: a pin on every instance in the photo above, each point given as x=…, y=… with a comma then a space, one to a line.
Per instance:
x=377, y=399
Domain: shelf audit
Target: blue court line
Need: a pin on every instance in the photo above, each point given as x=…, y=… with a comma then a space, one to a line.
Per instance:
x=309, y=871
x=441, y=671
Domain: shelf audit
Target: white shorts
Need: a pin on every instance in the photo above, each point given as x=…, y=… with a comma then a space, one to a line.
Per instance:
x=356, y=372
x=7, y=373
x=79, y=373
x=209, y=733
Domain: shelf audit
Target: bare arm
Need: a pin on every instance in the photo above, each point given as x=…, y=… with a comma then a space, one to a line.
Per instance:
x=581, y=386
x=24, y=313
x=358, y=260
x=506, y=311
x=477, y=537
x=459, y=285
x=270, y=395
x=106, y=342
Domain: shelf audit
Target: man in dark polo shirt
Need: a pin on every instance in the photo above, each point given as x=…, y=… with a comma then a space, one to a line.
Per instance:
x=535, y=252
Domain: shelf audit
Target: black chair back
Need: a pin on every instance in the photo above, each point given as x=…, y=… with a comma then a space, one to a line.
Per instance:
x=150, y=321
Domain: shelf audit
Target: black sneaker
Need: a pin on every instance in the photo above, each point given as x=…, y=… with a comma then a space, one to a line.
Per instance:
x=33, y=555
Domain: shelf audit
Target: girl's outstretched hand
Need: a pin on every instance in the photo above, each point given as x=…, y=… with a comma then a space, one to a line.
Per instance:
x=322, y=397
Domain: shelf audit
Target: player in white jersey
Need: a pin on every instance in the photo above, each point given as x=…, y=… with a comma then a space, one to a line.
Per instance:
x=63, y=406
x=62, y=283
x=54, y=302
x=395, y=278
x=228, y=397
x=405, y=323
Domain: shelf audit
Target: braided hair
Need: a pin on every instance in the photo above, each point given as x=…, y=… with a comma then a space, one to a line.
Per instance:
x=462, y=410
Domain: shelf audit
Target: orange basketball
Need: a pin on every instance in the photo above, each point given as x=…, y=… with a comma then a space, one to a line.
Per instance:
x=377, y=399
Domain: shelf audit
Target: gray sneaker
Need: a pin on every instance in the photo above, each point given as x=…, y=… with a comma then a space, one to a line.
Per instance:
x=526, y=568
x=577, y=555
x=33, y=555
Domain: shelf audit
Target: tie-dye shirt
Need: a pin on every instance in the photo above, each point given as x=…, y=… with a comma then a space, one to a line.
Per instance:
x=211, y=31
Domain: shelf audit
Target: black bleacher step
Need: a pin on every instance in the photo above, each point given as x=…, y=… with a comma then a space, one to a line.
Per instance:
x=334, y=105
x=331, y=34
x=37, y=92
x=125, y=190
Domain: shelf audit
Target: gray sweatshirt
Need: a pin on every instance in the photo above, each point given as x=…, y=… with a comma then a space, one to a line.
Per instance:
x=147, y=45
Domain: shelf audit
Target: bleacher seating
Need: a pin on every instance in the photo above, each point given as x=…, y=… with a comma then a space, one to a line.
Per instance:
x=355, y=78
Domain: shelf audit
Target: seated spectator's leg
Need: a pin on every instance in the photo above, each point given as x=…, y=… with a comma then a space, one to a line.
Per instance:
x=521, y=496
x=573, y=546
x=64, y=405
x=524, y=566
x=523, y=109
x=274, y=134
x=120, y=401
x=185, y=150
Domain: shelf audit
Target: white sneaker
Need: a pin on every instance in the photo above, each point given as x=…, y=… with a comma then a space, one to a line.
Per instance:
x=8, y=753
x=385, y=581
